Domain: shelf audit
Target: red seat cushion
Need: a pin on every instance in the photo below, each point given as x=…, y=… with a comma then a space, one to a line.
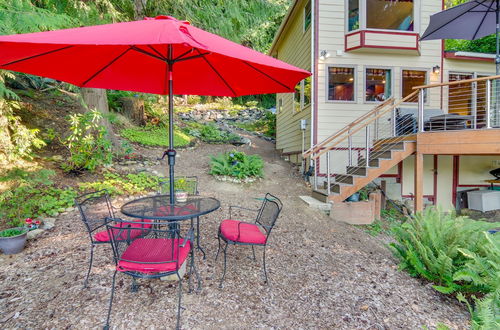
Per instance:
x=103, y=236
x=248, y=233
x=153, y=255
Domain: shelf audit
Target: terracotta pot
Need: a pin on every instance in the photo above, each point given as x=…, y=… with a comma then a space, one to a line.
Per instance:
x=13, y=244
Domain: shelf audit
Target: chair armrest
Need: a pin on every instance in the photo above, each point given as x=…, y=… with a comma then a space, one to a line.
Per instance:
x=239, y=224
x=231, y=207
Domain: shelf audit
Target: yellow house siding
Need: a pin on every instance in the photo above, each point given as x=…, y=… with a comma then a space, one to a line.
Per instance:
x=293, y=47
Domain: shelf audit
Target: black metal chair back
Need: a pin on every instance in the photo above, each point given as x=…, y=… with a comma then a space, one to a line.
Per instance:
x=94, y=208
x=191, y=184
x=269, y=212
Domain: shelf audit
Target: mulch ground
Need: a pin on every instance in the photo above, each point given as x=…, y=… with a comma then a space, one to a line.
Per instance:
x=323, y=274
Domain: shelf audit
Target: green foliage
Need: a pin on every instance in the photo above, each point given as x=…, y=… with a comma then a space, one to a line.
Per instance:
x=265, y=125
x=155, y=136
x=210, y=133
x=12, y=232
x=186, y=184
x=16, y=140
x=33, y=194
x=429, y=246
x=88, y=146
x=237, y=164
x=117, y=184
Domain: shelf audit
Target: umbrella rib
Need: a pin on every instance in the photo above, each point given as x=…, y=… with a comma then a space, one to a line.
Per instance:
x=156, y=51
x=35, y=56
x=142, y=51
x=265, y=74
x=216, y=72
x=105, y=67
x=192, y=57
x=183, y=54
x=444, y=24
x=479, y=26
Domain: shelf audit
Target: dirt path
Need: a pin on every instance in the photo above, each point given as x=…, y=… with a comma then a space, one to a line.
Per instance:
x=322, y=274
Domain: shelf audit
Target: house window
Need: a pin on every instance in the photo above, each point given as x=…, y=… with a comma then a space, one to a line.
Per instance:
x=398, y=15
x=378, y=84
x=353, y=15
x=410, y=79
x=302, y=96
x=307, y=15
x=279, y=108
x=341, y=84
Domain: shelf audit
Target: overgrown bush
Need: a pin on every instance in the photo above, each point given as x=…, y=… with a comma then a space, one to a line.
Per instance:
x=88, y=145
x=265, y=125
x=457, y=254
x=237, y=164
x=210, y=133
x=33, y=194
x=155, y=136
x=117, y=184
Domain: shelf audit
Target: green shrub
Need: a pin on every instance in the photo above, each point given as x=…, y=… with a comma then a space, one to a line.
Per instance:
x=236, y=164
x=155, y=136
x=11, y=232
x=210, y=133
x=88, y=146
x=265, y=125
x=117, y=184
x=193, y=99
x=34, y=195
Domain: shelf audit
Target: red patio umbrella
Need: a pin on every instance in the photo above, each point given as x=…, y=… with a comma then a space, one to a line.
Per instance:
x=159, y=55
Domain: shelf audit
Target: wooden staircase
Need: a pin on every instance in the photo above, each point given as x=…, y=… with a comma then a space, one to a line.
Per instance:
x=344, y=185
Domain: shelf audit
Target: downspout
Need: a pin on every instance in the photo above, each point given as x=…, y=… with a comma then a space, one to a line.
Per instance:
x=314, y=70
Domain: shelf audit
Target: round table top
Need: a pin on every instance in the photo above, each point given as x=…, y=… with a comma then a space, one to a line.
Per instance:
x=158, y=207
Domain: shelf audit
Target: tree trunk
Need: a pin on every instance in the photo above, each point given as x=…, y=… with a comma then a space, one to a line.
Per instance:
x=96, y=98
x=133, y=108
x=139, y=8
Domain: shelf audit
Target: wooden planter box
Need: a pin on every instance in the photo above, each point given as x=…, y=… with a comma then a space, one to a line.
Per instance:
x=358, y=213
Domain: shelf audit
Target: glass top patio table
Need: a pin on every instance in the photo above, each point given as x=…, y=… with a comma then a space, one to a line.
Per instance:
x=158, y=207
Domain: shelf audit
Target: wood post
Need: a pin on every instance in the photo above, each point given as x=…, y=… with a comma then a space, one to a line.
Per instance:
x=419, y=182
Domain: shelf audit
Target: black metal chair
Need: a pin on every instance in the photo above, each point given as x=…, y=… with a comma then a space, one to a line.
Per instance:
x=157, y=252
x=94, y=208
x=237, y=232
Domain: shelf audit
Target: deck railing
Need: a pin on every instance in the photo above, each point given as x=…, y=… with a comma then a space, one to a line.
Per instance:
x=456, y=105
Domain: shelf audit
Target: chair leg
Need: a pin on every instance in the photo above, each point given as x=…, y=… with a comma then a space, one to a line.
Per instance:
x=191, y=264
x=217, y=255
x=86, y=282
x=134, y=287
x=198, y=237
x=179, y=303
x=264, y=262
x=224, y=272
x=106, y=327
x=253, y=251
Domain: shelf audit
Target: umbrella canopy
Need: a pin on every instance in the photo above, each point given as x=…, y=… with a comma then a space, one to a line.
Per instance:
x=471, y=20
x=135, y=56
x=159, y=55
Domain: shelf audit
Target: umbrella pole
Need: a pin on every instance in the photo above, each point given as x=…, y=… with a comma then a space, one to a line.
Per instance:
x=171, y=152
x=497, y=58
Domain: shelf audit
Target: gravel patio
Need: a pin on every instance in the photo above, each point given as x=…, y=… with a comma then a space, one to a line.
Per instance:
x=322, y=274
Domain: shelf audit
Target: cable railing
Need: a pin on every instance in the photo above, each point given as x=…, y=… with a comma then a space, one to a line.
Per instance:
x=457, y=105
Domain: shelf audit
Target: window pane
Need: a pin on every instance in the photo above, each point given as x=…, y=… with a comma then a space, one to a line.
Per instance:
x=378, y=84
x=307, y=91
x=307, y=15
x=390, y=14
x=412, y=78
x=341, y=84
x=353, y=15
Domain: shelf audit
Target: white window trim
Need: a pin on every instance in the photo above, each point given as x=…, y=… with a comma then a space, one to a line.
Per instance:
x=417, y=10
x=355, y=82
x=427, y=77
x=364, y=81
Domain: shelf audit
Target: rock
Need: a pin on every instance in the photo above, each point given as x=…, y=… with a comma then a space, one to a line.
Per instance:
x=34, y=233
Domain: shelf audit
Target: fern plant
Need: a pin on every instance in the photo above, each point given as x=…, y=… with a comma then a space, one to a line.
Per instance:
x=237, y=164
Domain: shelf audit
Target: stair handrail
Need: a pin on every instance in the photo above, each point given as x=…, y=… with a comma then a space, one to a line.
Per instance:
x=349, y=126
x=352, y=132
x=457, y=82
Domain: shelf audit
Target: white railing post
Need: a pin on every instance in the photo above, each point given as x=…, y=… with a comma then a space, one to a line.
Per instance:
x=488, y=103
x=367, y=146
x=420, y=119
x=474, y=104
x=328, y=172
x=375, y=126
x=349, y=146
x=315, y=184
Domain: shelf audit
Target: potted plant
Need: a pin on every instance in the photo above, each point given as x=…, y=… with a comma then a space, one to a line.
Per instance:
x=12, y=240
x=181, y=188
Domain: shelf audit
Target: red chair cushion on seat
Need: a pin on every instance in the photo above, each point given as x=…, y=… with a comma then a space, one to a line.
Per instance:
x=103, y=236
x=153, y=255
x=248, y=233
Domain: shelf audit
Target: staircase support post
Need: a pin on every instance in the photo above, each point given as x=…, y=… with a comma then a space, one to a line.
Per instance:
x=328, y=180
x=315, y=184
x=488, y=103
x=421, y=101
x=419, y=182
x=367, y=146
